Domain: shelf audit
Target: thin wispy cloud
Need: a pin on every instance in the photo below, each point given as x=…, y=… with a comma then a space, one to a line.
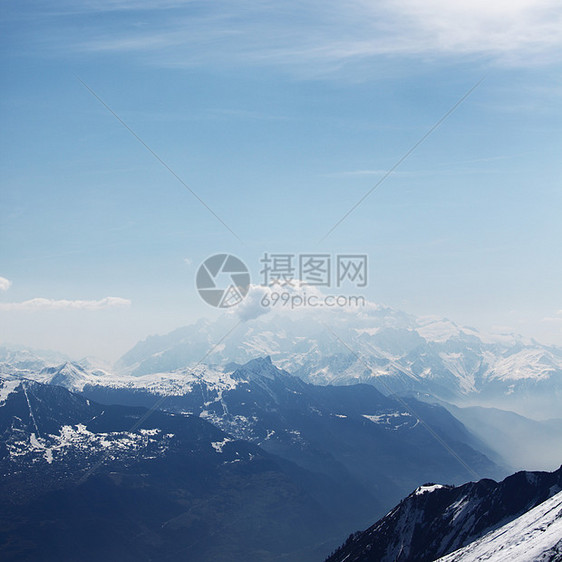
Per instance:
x=327, y=33
x=39, y=303
x=452, y=170
x=122, y=5
x=381, y=172
x=556, y=318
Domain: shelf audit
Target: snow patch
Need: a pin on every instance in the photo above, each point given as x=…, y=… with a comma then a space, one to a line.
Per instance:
x=535, y=535
x=8, y=386
x=218, y=445
x=427, y=489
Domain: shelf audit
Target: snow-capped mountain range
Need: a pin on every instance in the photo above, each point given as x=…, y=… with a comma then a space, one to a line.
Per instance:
x=389, y=349
x=433, y=360
x=393, y=351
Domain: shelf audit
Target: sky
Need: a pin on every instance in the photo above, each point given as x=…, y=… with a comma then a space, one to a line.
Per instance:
x=140, y=138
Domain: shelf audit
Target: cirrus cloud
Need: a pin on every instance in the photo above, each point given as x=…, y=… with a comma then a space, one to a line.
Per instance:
x=331, y=33
x=64, y=304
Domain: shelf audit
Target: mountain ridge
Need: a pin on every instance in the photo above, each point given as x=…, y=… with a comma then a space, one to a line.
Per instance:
x=372, y=445
x=437, y=520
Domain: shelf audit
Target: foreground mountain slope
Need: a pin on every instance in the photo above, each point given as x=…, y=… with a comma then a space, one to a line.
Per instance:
x=436, y=520
x=83, y=481
x=535, y=536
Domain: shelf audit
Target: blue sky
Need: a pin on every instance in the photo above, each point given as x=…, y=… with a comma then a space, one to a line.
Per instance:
x=280, y=116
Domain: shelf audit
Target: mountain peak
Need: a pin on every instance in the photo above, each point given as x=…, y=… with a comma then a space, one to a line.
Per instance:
x=69, y=375
x=261, y=367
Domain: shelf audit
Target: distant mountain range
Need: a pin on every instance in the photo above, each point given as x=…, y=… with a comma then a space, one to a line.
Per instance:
x=520, y=442
x=516, y=520
x=389, y=349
